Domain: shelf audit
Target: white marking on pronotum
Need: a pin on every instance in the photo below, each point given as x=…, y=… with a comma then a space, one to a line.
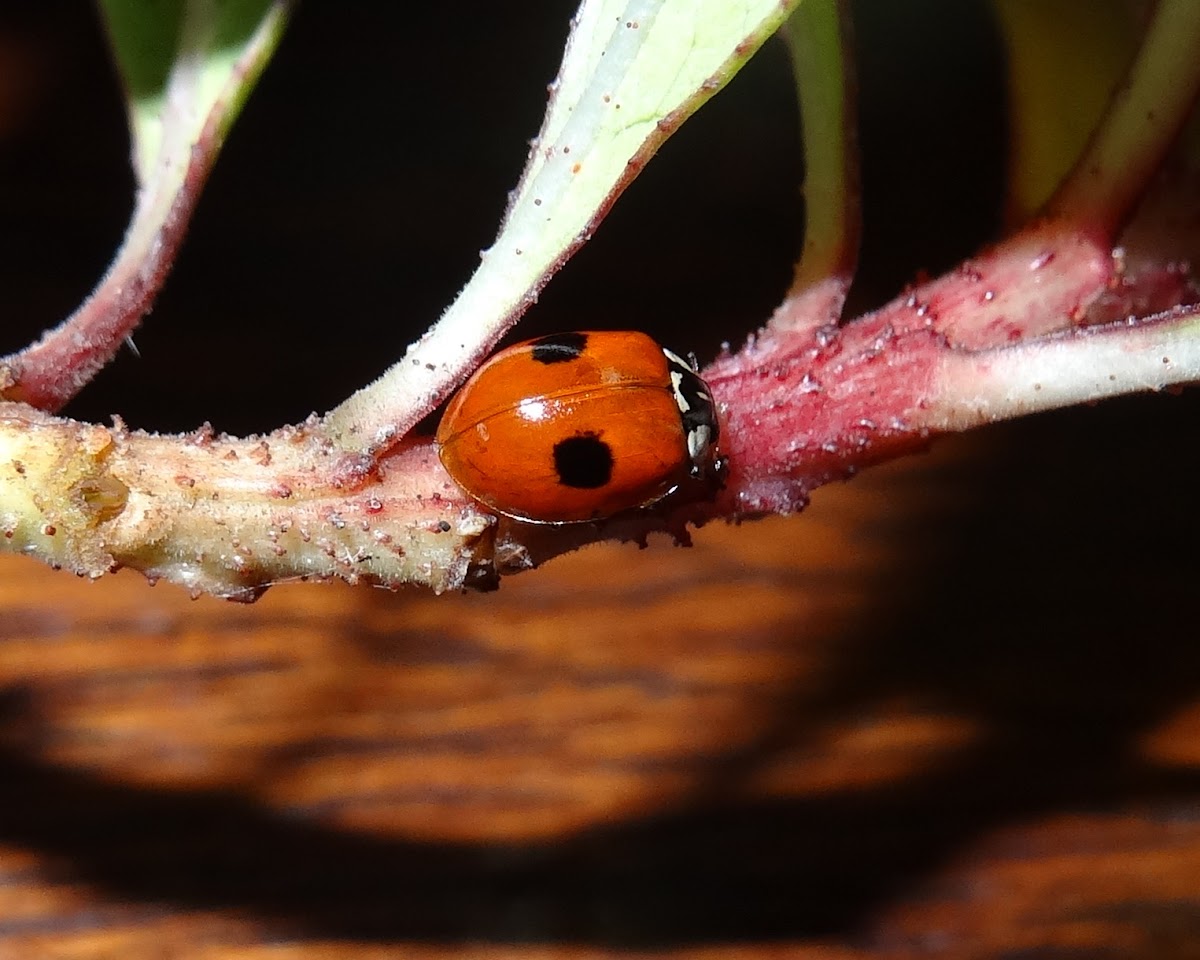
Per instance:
x=679, y=367
x=681, y=399
x=697, y=441
x=676, y=358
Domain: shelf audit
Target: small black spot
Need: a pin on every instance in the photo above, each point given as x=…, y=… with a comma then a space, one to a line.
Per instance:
x=583, y=461
x=559, y=347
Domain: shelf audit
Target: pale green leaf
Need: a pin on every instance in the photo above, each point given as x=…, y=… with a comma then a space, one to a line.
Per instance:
x=632, y=72
x=187, y=65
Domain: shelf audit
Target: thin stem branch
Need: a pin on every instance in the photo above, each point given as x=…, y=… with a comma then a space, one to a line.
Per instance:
x=1143, y=120
x=818, y=36
x=176, y=141
x=1073, y=367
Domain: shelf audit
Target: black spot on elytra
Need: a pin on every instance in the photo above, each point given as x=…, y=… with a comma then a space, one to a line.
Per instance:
x=559, y=347
x=583, y=461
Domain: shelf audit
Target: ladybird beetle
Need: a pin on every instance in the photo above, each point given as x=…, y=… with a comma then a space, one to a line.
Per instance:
x=579, y=426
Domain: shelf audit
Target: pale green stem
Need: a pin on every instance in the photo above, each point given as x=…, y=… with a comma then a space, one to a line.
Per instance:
x=1079, y=366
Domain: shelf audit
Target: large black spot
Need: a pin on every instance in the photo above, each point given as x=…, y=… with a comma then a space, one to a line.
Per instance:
x=559, y=347
x=583, y=461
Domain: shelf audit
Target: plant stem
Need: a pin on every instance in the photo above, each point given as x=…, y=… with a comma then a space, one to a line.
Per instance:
x=1142, y=122
x=817, y=35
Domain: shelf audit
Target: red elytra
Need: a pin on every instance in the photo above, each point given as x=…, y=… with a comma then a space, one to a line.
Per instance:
x=578, y=426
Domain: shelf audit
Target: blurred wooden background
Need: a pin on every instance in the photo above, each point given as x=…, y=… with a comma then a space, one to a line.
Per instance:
x=952, y=710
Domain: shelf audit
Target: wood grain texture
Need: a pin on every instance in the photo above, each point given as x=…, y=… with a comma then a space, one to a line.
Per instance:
x=943, y=713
